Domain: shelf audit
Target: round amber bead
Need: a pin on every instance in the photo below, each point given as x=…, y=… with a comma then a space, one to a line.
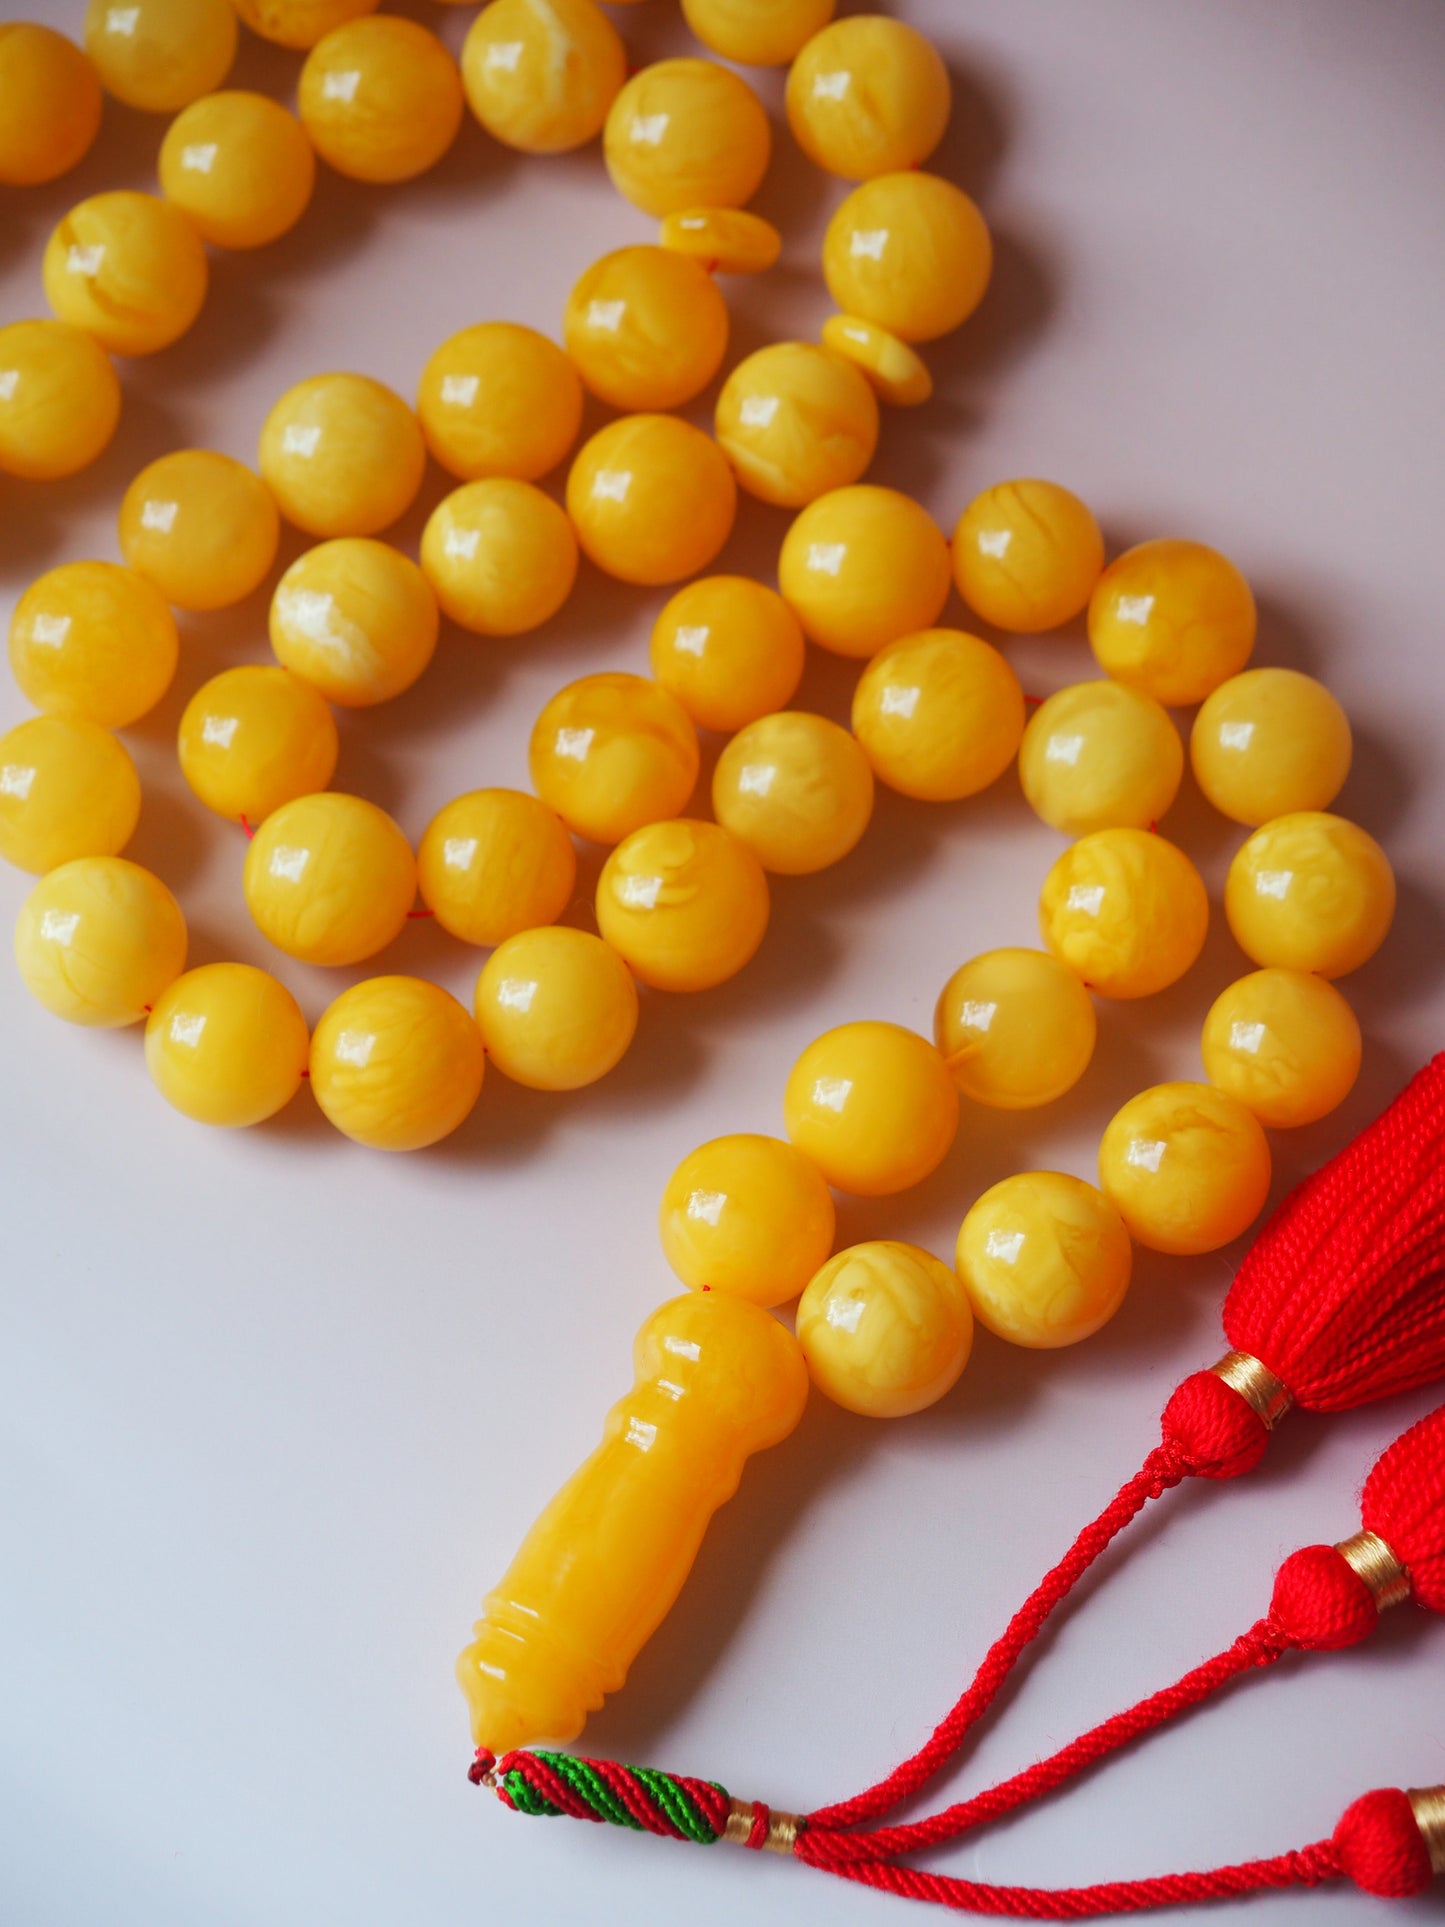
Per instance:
x=685, y=904
x=50, y=104
x=729, y=649
x=652, y=499
x=1175, y=619
x=227, y=1044
x=542, y=78
x=612, y=752
x=239, y=167
x=499, y=399
x=896, y=373
x=381, y=99
x=1100, y=756
x=757, y=33
x=397, y=1063
x=493, y=863
x=873, y=1106
x=300, y=23
x=646, y=328
x=1016, y=1028
x=1186, y=1166
x=910, y=253
x=160, y=55
x=939, y=715
x=886, y=1329
x=747, y=1215
x=862, y=567
x=129, y=269
x=796, y=789
x=1310, y=892
x=1285, y=1043
x=1026, y=556
x=59, y=400
x=501, y=556
x=686, y=133
x=357, y=619
x=1269, y=743
x=727, y=240
x=201, y=527
x=868, y=96
x=93, y=640
x=1045, y=1260
x=98, y=940
x=343, y=455
x=557, y=1008
x=329, y=879
x=1126, y=910
x=254, y=738
x=67, y=789
x=795, y=422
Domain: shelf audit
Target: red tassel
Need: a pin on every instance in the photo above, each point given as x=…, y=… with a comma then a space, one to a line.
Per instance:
x=1404, y=1504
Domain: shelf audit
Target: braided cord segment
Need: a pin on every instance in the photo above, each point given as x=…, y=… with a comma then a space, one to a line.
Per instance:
x=548, y=1785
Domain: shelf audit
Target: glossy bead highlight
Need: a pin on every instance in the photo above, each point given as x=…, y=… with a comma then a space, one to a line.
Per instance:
x=1270, y=743
x=396, y=1063
x=329, y=879
x=356, y=619
x=67, y=789
x=1175, y=619
x=612, y=752
x=746, y=1215
x=1126, y=910
x=227, y=1045
x=1285, y=1043
x=127, y=268
x=1016, y=1028
x=796, y=789
x=1186, y=1166
x=795, y=422
x=342, y=455
x=98, y=940
x=59, y=400
x=1045, y=1260
x=557, y=1008
x=1026, y=556
x=939, y=715
x=886, y=1329
x=254, y=738
x=861, y=567
x=93, y=640
x=1100, y=756
x=201, y=527
x=686, y=133
x=495, y=862
x=873, y=1106
x=1310, y=891
x=239, y=167
x=685, y=904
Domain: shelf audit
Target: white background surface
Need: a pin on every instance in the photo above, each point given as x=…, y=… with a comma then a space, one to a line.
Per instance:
x=274, y=1411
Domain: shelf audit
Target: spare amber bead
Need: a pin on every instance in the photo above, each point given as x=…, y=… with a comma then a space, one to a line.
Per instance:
x=727, y=240
x=897, y=374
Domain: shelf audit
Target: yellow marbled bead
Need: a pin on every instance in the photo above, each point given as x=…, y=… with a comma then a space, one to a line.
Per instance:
x=129, y=269
x=329, y=879
x=557, y=1008
x=685, y=904
x=59, y=400
x=1100, y=756
x=1026, y=556
x=910, y=253
x=542, y=77
x=729, y=649
x=499, y=399
x=1126, y=910
x=1186, y=1166
x=160, y=55
x=381, y=99
x=757, y=33
x=749, y=1216
x=796, y=789
x=868, y=96
x=1310, y=891
x=50, y=104
x=1016, y=1028
x=939, y=715
x=1269, y=743
x=861, y=567
x=227, y=1044
x=1045, y=1260
x=397, y=1063
x=886, y=1329
x=1175, y=619
x=254, y=738
x=501, y=556
x=239, y=167
x=652, y=499
x=357, y=619
x=343, y=455
x=98, y=940
x=647, y=329
x=300, y=23
x=727, y=240
x=67, y=789
x=495, y=862
x=1285, y=1043
x=686, y=133
x=795, y=422
x=873, y=1106
x=612, y=752
x=94, y=640
x=201, y=527
x=897, y=373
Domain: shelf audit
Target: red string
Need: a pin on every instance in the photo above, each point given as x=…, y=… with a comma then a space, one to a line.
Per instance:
x=250, y=833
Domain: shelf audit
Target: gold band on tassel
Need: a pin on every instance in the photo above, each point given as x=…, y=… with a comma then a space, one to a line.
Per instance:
x=782, y=1827
x=1368, y=1555
x=1429, y=1806
x=1256, y=1384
